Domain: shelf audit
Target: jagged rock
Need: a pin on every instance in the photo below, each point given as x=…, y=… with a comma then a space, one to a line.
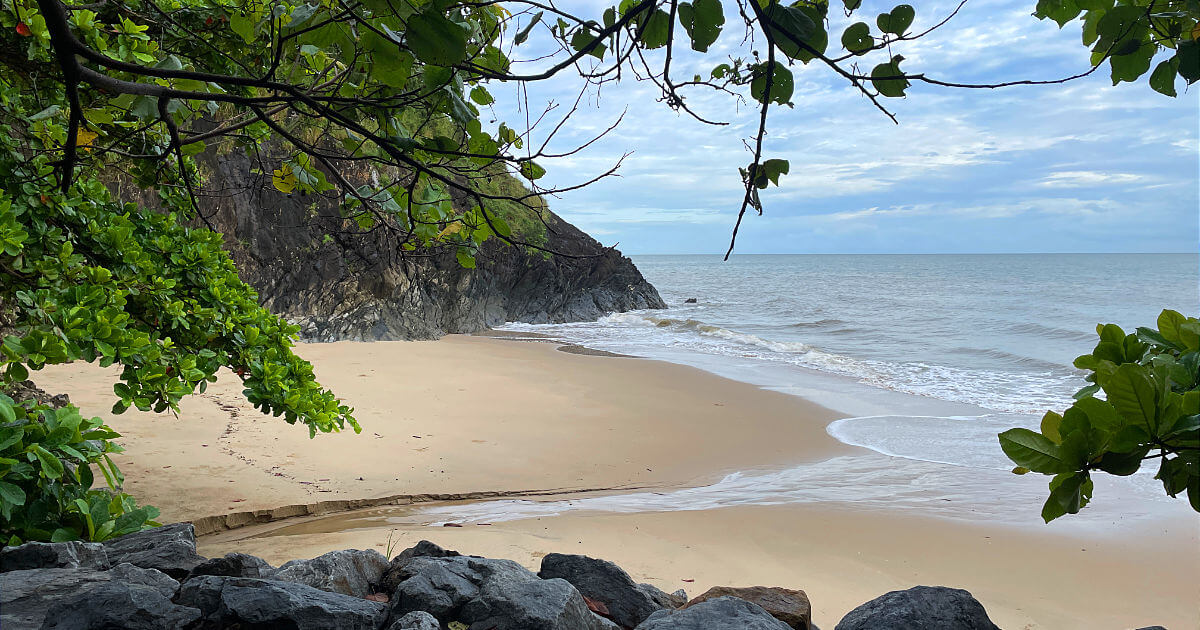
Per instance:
x=365, y=287
x=418, y=620
x=26, y=596
x=348, y=571
x=721, y=613
x=118, y=604
x=934, y=607
x=64, y=555
x=254, y=604
x=440, y=586
x=789, y=606
x=662, y=598
x=170, y=549
x=235, y=565
x=628, y=603
x=423, y=549
x=494, y=594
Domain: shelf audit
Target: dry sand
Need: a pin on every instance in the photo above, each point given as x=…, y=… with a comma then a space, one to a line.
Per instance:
x=468, y=414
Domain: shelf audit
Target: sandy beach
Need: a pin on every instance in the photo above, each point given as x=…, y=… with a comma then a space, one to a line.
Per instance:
x=469, y=415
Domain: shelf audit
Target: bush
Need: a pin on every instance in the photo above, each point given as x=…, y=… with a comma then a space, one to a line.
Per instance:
x=47, y=457
x=1150, y=411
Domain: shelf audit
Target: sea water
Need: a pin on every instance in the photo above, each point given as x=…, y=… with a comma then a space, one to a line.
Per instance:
x=928, y=357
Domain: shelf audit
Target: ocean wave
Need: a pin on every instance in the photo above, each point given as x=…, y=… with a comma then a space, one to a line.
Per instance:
x=1009, y=358
x=1051, y=332
x=820, y=323
x=1033, y=388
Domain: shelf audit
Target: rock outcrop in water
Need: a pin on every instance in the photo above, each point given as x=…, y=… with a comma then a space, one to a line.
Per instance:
x=366, y=287
x=69, y=586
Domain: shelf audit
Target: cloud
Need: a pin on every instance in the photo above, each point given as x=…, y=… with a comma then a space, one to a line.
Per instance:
x=998, y=168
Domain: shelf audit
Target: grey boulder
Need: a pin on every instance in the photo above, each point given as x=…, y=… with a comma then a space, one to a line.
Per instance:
x=170, y=549
x=628, y=603
x=417, y=620
x=118, y=605
x=927, y=607
x=348, y=571
x=395, y=571
x=721, y=613
x=62, y=555
x=492, y=594
x=26, y=597
x=235, y=565
x=254, y=604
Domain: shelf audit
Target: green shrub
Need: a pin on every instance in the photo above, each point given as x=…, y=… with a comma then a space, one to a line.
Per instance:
x=48, y=459
x=1150, y=411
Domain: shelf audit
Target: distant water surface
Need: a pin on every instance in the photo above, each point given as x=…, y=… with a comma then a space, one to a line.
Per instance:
x=998, y=331
x=928, y=356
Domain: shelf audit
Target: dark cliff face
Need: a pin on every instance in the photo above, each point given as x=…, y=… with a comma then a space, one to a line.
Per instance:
x=364, y=287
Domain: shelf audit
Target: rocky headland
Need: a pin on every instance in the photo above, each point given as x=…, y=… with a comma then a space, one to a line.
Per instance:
x=339, y=283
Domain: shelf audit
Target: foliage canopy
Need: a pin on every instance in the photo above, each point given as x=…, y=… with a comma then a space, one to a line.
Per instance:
x=1150, y=411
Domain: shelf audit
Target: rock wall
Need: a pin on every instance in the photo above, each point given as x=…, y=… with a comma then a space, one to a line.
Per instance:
x=365, y=287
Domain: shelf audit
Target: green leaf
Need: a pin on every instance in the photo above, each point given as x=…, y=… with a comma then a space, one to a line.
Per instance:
x=436, y=40
x=789, y=28
x=1032, y=450
x=583, y=38
x=702, y=21
x=11, y=494
x=1068, y=494
x=244, y=26
x=857, y=38
x=52, y=468
x=465, y=258
x=1050, y=423
x=6, y=411
x=1162, y=80
x=1122, y=464
x=1100, y=413
x=1188, y=55
x=531, y=170
x=523, y=34
x=1131, y=391
x=890, y=87
x=782, y=84
x=897, y=20
x=655, y=30
x=481, y=96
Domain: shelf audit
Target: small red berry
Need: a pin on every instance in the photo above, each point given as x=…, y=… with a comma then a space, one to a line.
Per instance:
x=23, y=30
x=208, y=21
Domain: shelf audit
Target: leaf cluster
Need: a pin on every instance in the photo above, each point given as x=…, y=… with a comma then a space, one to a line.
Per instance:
x=1150, y=380
x=48, y=459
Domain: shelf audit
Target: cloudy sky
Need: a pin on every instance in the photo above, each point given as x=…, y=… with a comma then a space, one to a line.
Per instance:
x=1081, y=167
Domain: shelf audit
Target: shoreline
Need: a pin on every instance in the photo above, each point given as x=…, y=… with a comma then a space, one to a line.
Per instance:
x=443, y=419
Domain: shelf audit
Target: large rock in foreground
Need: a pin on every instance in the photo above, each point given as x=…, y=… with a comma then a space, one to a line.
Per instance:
x=789, y=606
x=170, y=549
x=492, y=594
x=352, y=572
x=722, y=613
x=29, y=597
x=927, y=607
x=253, y=604
x=117, y=604
x=627, y=603
x=63, y=555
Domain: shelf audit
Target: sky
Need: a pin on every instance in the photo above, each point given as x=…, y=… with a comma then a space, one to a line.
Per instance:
x=1080, y=167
